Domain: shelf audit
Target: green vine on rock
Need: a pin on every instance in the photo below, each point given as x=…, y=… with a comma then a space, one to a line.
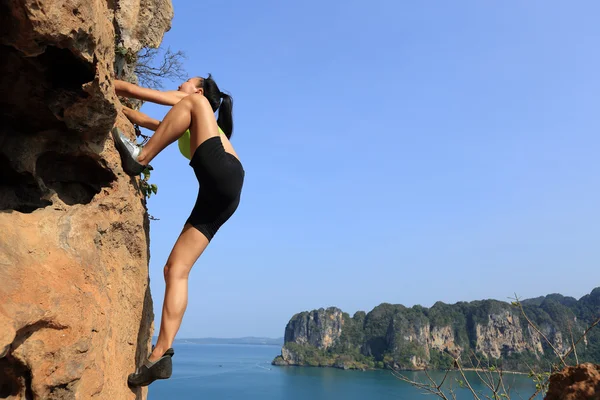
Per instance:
x=129, y=55
x=146, y=187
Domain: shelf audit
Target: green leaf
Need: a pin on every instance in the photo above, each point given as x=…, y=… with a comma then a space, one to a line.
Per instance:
x=154, y=188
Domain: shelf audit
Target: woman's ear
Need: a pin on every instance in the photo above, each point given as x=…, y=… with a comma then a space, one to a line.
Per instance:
x=200, y=91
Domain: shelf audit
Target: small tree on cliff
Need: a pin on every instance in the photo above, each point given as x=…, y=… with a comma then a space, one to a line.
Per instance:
x=153, y=66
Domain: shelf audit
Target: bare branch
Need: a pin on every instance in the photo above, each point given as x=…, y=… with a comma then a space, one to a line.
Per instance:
x=153, y=66
x=517, y=302
x=596, y=322
x=489, y=380
x=573, y=342
x=541, y=384
x=429, y=388
x=499, y=382
x=460, y=369
x=535, y=394
x=431, y=379
x=504, y=390
x=444, y=380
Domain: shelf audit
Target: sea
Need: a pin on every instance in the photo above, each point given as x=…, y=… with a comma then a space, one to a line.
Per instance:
x=244, y=372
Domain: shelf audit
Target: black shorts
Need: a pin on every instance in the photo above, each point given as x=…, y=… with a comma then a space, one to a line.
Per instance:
x=221, y=177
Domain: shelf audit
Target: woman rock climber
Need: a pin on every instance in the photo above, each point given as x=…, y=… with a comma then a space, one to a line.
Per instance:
x=204, y=140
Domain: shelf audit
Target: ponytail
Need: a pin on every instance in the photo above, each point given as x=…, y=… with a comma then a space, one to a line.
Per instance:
x=225, y=120
x=219, y=101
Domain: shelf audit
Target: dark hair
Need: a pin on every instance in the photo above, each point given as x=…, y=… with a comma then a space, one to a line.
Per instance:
x=219, y=101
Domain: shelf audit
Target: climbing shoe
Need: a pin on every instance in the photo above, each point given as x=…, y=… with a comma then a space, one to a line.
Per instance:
x=129, y=152
x=169, y=351
x=151, y=371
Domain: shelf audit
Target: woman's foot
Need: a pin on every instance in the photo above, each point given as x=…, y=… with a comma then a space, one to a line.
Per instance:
x=151, y=371
x=129, y=152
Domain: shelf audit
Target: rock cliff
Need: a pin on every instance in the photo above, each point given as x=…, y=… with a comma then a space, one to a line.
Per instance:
x=394, y=336
x=319, y=328
x=75, y=308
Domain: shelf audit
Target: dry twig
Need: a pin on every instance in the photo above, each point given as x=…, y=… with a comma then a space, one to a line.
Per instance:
x=151, y=73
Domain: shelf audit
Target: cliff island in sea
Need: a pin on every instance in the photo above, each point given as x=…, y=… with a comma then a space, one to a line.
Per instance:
x=397, y=337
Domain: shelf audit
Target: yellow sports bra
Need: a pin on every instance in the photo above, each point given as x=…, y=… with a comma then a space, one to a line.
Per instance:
x=184, y=143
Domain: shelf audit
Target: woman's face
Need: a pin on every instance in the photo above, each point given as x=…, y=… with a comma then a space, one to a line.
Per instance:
x=190, y=86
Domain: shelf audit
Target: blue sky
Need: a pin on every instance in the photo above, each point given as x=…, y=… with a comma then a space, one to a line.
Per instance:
x=401, y=152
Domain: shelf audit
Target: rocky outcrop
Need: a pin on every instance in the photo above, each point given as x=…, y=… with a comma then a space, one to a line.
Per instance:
x=581, y=382
x=442, y=339
x=319, y=328
x=75, y=310
x=409, y=337
x=501, y=333
x=138, y=24
x=394, y=336
x=142, y=23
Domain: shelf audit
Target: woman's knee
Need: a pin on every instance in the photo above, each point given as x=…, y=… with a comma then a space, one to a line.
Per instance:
x=198, y=105
x=195, y=101
x=174, y=271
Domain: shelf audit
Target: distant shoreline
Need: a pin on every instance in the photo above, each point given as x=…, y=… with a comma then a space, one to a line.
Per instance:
x=398, y=370
x=494, y=372
x=250, y=340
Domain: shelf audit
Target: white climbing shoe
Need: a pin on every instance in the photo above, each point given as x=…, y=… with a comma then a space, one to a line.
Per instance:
x=129, y=152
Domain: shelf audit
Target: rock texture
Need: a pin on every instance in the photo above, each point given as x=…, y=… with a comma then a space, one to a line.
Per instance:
x=501, y=333
x=442, y=339
x=75, y=310
x=319, y=328
x=138, y=24
x=581, y=382
x=142, y=23
x=394, y=336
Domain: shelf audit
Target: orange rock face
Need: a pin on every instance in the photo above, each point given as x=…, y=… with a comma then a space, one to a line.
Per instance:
x=75, y=307
x=581, y=382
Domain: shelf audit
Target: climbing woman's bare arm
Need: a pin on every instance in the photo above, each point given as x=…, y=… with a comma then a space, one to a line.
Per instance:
x=141, y=119
x=127, y=89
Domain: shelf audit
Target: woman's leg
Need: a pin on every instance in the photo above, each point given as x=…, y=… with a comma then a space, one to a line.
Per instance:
x=189, y=246
x=193, y=112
